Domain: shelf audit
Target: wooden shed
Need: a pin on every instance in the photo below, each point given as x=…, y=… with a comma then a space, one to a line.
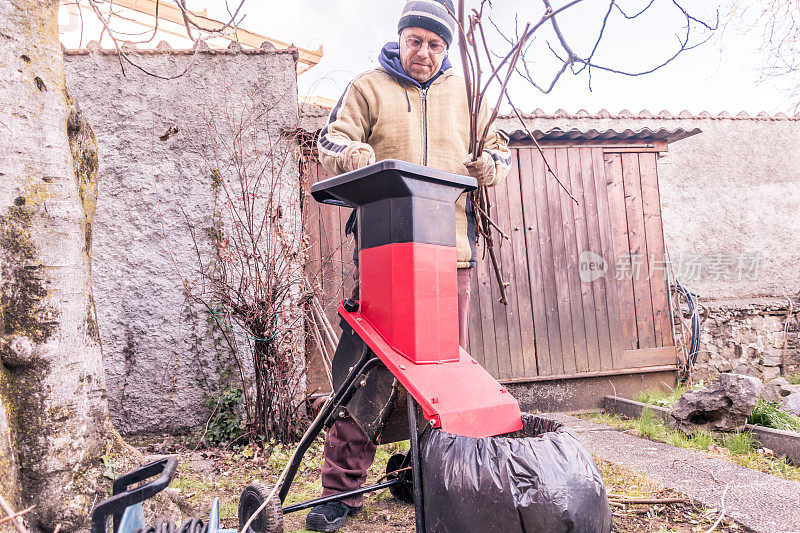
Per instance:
x=588, y=309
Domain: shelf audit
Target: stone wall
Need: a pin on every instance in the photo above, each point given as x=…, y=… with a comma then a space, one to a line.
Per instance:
x=754, y=337
x=163, y=356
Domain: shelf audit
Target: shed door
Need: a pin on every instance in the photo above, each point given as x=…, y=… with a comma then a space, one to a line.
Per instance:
x=587, y=282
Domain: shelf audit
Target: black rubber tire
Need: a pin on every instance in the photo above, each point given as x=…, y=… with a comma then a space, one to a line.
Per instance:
x=404, y=491
x=270, y=519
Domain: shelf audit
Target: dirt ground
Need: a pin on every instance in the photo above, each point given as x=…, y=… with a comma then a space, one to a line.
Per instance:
x=219, y=472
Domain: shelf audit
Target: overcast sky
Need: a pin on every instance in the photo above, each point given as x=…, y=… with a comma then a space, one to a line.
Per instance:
x=721, y=75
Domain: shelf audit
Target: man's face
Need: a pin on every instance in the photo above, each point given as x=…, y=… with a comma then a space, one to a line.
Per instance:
x=423, y=63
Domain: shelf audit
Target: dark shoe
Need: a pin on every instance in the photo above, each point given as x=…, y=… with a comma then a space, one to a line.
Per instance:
x=329, y=516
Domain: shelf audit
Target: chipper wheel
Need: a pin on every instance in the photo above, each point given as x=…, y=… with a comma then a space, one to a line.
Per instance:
x=270, y=519
x=403, y=491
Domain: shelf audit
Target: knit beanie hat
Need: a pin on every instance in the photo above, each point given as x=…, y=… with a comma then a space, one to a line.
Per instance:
x=432, y=15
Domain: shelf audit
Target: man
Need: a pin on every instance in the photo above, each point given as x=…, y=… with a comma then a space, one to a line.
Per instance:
x=413, y=109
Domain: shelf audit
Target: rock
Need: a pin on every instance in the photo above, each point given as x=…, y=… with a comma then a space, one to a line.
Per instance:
x=792, y=403
x=745, y=369
x=723, y=405
x=770, y=373
x=775, y=390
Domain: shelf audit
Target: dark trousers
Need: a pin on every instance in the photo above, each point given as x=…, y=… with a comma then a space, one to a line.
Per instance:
x=348, y=451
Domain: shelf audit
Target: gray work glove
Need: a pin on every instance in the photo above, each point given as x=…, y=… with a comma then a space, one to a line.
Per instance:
x=482, y=169
x=357, y=155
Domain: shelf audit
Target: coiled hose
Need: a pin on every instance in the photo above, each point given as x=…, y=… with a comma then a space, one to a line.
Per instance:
x=190, y=525
x=694, y=345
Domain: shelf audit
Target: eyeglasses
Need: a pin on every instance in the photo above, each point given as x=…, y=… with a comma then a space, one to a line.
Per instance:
x=415, y=44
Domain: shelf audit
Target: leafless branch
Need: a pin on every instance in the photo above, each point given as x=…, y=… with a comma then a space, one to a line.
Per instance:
x=122, y=40
x=13, y=516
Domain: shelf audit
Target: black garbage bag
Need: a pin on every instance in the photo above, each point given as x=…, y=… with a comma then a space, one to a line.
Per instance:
x=540, y=479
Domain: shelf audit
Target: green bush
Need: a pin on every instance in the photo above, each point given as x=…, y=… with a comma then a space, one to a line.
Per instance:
x=793, y=379
x=225, y=419
x=773, y=415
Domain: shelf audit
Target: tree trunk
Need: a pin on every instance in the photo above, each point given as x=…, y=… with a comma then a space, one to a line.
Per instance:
x=52, y=384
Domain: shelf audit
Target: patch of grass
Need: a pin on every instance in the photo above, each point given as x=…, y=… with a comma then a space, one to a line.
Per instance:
x=665, y=398
x=678, y=439
x=701, y=440
x=660, y=397
x=773, y=415
x=739, y=443
x=649, y=425
x=623, y=482
x=738, y=448
x=794, y=378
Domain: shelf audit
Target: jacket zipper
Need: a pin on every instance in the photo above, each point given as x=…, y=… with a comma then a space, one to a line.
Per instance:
x=424, y=127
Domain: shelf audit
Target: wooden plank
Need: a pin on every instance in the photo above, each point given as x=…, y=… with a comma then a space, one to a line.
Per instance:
x=483, y=275
x=499, y=310
x=601, y=373
x=541, y=182
x=665, y=355
x=517, y=292
x=565, y=319
x=347, y=244
x=654, y=231
x=608, y=283
x=501, y=212
x=581, y=241
x=533, y=246
x=316, y=379
x=571, y=257
x=620, y=250
x=331, y=254
x=475, y=337
x=638, y=249
x=594, y=245
x=519, y=261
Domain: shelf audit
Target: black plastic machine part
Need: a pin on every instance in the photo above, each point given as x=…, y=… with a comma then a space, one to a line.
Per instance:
x=398, y=202
x=123, y=497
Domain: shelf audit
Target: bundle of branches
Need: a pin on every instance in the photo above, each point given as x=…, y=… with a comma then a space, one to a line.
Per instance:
x=477, y=52
x=253, y=288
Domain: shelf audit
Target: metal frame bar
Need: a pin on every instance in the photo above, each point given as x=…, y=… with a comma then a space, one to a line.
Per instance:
x=345, y=391
x=416, y=472
x=336, y=497
x=342, y=397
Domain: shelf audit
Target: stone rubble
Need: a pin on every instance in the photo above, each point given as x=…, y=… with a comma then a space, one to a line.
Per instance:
x=723, y=405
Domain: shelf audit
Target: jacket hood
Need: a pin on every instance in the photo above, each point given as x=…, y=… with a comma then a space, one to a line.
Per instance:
x=389, y=59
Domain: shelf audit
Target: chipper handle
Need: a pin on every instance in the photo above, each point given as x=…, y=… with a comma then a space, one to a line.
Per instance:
x=123, y=497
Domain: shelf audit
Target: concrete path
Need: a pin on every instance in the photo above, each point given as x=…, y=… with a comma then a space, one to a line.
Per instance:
x=759, y=501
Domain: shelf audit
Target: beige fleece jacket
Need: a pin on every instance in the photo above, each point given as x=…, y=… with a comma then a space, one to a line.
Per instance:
x=427, y=127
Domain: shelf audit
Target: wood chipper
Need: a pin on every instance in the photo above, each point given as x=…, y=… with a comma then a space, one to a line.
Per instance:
x=400, y=373
x=475, y=462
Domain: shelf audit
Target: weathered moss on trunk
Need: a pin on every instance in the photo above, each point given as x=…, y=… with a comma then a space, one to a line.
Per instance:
x=23, y=287
x=85, y=162
x=9, y=478
x=83, y=145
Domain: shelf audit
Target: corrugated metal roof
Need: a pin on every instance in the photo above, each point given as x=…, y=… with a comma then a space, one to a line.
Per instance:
x=557, y=134
x=645, y=114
